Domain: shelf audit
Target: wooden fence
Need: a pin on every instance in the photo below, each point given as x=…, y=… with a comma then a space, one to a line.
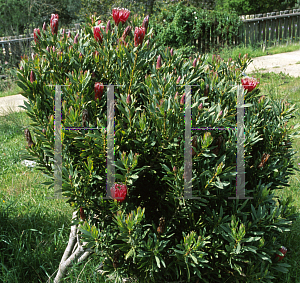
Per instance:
x=13, y=47
x=268, y=29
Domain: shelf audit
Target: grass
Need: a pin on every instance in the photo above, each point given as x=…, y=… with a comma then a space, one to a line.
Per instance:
x=34, y=231
x=253, y=52
x=9, y=87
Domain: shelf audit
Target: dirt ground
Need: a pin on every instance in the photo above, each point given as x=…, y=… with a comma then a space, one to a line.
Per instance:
x=288, y=63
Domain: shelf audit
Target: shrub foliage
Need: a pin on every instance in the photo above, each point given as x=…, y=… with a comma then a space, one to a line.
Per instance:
x=152, y=235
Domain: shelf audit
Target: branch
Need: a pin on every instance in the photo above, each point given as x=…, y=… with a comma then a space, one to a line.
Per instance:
x=70, y=255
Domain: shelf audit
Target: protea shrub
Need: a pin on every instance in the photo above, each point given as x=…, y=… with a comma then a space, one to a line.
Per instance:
x=208, y=238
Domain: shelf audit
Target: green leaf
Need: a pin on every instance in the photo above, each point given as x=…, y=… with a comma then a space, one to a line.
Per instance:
x=157, y=261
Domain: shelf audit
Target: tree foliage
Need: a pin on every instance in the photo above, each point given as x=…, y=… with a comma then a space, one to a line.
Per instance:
x=16, y=16
x=246, y=7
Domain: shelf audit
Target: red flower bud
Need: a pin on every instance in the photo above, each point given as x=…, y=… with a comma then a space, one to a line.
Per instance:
x=69, y=34
x=206, y=91
x=108, y=27
x=44, y=131
x=128, y=99
x=174, y=169
x=119, y=192
x=145, y=23
x=126, y=32
x=48, y=49
x=54, y=23
x=261, y=100
x=32, y=77
x=182, y=101
x=63, y=33
x=200, y=106
x=97, y=34
x=53, y=48
x=82, y=216
x=36, y=35
x=44, y=26
x=176, y=95
x=178, y=80
x=139, y=35
x=283, y=250
x=171, y=52
x=120, y=15
x=195, y=62
x=76, y=38
x=158, y=64
x=148, y=43
x=98, y=89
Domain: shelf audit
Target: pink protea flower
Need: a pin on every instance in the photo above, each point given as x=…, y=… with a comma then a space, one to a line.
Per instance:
x=108, y=27
x=97, y=34
x=32, y=77
x=126, y=32
x=145, y=23
x=139, y=35
x=98, y=89
x=44, y=26
x=158, y=63
x=54, y=23
x=120, y=15
x=283, y=250
x=249, y=83
x=36, y=35
x=119, y=192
